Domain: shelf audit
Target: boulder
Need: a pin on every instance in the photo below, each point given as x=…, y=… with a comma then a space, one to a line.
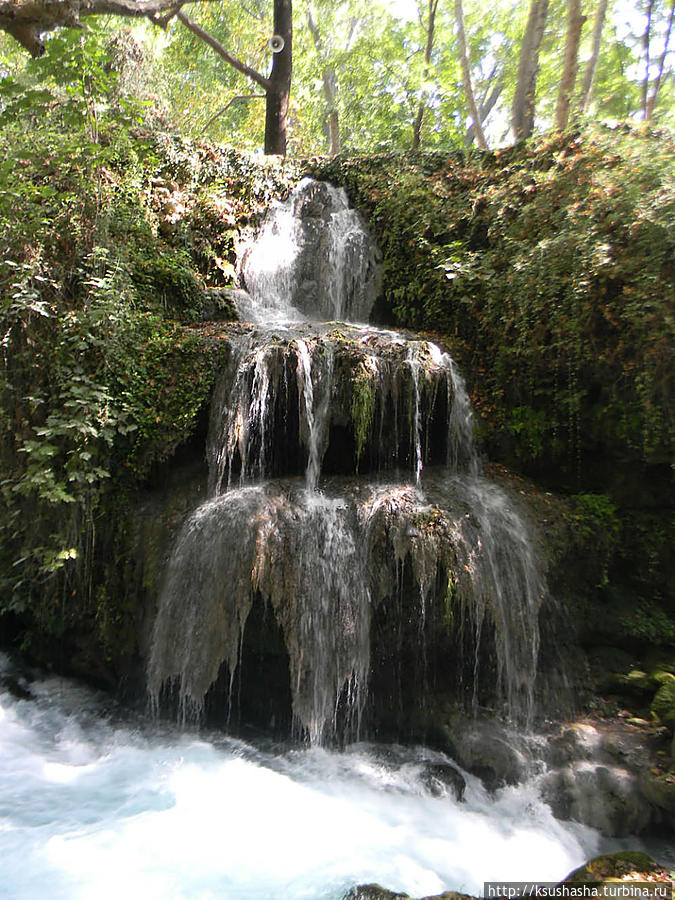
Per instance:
x=608, y=798
x=441, y=779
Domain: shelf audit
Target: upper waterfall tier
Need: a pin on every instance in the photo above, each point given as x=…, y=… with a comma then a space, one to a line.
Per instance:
x=359, y=398
x=312, y=260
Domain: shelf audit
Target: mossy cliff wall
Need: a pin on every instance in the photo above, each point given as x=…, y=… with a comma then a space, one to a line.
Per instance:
x=546, y=270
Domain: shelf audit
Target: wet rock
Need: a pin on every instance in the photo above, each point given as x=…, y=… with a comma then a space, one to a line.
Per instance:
x=221, y=304
x=663, y=704
x=487, y=750
x=658, y=789
x=627, y=865
x=17, y=687
x=373, y=892
x=606, y=798
x=574, y=743
x=16, y=677
x=441, y=778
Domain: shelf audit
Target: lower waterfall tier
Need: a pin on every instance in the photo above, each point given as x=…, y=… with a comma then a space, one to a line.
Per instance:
x=381, y=590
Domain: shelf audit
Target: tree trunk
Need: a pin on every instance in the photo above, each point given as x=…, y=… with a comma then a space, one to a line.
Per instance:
x=484, y=111
x=575, y=23
x=419, y=118
x=329, y=90
x=592, y=64
x=651, y=102
x=334, y=146
x=466, y=75
x=646, y=40
x=279, y=91
x=526, y=85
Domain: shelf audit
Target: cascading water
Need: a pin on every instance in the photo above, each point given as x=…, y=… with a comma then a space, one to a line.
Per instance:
x=440, y=547
x=350, y=548
x=312, y=260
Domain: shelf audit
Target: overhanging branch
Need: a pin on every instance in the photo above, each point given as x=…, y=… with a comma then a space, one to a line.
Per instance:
x=27, y=20
x=237, y=64
x=227, y=106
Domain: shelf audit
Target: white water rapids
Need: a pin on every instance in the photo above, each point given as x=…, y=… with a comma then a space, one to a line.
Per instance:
x=95, y=806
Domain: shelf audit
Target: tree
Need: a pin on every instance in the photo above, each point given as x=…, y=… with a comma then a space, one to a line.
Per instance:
x=277, y=85
x=432, y=7
x=650, y=98
x=329, y=80
x=591, y=66
x=27, y=20
x=526, y=85
x=575, y=22
x=466, y=75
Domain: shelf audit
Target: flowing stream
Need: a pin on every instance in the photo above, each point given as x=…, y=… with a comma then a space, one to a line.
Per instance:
x=99, y=804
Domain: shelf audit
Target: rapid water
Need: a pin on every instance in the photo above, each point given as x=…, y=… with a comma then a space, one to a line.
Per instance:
x=98, y=804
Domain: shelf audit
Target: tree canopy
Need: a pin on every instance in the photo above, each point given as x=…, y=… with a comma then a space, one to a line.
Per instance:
x=361, y=75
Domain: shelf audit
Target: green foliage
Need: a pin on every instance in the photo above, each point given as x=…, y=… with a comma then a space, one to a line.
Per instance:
x=166, y=280
x=551, y=268
x=103, y=248
x=643, y=623
x=596, y=524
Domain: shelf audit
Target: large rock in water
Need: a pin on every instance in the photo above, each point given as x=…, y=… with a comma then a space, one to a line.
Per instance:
x=375, y=892
x=605, y=797
x=626, y=866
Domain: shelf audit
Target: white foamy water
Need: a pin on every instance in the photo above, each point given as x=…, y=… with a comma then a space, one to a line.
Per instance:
x=91, y=807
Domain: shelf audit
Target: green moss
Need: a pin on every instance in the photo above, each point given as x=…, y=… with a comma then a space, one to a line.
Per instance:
x=166, y=281
x=663, y=704
x=625, y=865
x=363, y=407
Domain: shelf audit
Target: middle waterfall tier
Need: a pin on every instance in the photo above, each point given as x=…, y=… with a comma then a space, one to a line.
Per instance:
x=400, y=590
x=344, y=399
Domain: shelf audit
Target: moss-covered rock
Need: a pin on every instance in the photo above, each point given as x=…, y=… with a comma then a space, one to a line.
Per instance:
x=375, y=892
x=627, y=865
x=663, y=704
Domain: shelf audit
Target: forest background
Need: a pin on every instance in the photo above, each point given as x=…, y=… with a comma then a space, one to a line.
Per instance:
x=367, y=76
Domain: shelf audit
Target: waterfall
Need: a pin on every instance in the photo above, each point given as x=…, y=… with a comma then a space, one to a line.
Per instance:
x=346, y=503
x=311, y=260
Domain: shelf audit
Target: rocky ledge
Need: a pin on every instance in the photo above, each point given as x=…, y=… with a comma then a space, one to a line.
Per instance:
x=626, y=866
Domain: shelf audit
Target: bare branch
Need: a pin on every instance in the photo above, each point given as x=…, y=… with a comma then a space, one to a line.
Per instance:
x=227, y=106
x=646, y=38
x=592, y=64
x=651, y=102
x=237, y=64
x=466, y=77
x=484, y=110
